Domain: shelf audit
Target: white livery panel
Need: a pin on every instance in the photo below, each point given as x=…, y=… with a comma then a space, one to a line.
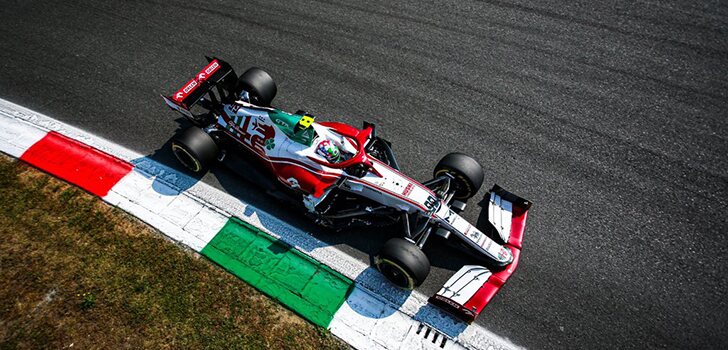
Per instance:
x=500, y=215
x=465, y=283
x=390, y=187
x=472, y=236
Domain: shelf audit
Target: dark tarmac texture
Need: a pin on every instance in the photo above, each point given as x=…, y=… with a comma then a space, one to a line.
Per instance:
x=610, y=116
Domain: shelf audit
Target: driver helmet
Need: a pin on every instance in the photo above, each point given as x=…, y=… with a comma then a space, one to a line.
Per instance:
x=328, y=150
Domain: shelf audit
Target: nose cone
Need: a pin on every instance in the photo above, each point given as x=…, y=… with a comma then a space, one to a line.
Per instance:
x=505, y=255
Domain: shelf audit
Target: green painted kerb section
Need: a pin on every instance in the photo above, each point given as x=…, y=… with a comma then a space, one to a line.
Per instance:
x=303, y=284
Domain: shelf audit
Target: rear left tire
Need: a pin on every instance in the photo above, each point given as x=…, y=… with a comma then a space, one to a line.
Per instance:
x=259, y=84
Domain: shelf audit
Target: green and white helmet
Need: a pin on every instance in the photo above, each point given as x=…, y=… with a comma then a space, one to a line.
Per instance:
x=328, y=150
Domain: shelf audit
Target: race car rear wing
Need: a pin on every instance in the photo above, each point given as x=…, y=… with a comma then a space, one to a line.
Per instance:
x=217, y=73
x=467, y=292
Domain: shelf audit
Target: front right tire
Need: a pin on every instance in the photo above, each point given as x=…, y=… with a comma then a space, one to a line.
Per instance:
x=402, y=263
x=195, y=149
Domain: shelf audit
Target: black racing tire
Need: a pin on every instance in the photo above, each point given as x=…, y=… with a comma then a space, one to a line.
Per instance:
x=259, y=84
x=195, y=149
x=403, y=263
x=467, y=172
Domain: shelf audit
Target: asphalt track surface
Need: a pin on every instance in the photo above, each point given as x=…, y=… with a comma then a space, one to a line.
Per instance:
x=610, y=116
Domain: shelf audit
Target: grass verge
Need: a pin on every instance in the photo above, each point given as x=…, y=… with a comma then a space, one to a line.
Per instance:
x=75, y=271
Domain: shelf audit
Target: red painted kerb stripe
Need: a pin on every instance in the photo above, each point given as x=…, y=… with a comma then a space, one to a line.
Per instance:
x=77, y=163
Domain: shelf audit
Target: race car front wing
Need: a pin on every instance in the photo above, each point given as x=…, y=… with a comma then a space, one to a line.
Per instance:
x=467, y=292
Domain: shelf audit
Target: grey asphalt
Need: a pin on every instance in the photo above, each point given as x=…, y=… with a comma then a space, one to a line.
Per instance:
x=610, y=116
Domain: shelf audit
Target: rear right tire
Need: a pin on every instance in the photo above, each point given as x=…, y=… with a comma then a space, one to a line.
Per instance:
x=195, y=149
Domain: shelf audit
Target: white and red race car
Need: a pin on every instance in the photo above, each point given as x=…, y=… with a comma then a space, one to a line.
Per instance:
x=345, y=177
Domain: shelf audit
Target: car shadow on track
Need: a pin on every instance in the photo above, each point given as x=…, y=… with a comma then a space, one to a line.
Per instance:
x=372, y=307
x=237, y=179
x=360, y=242
x=163, y=167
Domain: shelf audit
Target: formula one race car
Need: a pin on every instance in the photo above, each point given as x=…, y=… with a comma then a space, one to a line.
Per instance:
x=344, y=177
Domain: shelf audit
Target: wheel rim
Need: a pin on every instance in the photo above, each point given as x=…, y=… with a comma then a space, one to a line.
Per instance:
x=463, y=186
x=189, y=161
x=395, y=274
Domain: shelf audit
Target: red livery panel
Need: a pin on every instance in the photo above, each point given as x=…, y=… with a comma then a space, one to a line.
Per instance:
x=196, y=82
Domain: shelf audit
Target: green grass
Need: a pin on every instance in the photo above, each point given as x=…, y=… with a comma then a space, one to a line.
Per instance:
x=74, y=270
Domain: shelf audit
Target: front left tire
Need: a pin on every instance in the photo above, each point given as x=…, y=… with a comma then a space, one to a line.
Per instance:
x=195, y=149
x=467, y=173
